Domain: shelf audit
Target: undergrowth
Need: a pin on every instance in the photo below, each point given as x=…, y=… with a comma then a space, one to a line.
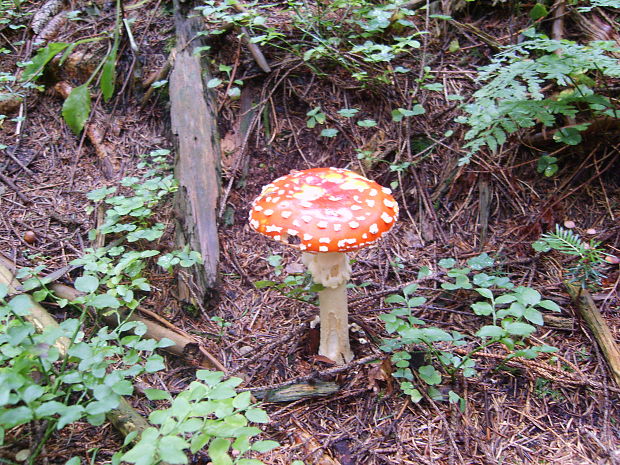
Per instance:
x=510, y=315
x=56, y=375
x=515, y=93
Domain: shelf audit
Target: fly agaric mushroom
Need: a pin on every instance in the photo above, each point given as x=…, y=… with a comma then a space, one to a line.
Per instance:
x=326, y=212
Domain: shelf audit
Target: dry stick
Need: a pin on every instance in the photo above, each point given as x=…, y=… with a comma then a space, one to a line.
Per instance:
x=254, y=50
x=124, y=418
x=315, y=375
x=600, y=330
x=9, y=182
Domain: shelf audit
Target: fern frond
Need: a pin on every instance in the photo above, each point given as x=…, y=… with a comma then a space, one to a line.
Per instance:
x=512, y=96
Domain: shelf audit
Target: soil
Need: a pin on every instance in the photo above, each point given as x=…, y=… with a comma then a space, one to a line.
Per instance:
x=561, y=408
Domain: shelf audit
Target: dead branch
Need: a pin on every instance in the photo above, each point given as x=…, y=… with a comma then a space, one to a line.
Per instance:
x=600, y=330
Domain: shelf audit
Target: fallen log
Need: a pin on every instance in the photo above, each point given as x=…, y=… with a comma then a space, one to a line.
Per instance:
x=197, y=165
x=599, y=328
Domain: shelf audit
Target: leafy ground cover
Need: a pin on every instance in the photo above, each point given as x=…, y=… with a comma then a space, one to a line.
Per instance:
x=494, y=125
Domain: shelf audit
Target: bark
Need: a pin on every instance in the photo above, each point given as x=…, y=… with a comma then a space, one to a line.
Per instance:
x=197, y=166
x=599, y=328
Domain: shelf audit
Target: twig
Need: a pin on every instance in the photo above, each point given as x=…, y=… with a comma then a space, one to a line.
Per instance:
x=315, y=375
x=9, y=182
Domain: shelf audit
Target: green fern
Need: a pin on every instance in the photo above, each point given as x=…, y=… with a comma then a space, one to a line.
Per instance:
x=591, y=257
x=512, y=97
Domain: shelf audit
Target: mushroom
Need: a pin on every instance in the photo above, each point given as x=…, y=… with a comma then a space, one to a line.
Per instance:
x=326, y=212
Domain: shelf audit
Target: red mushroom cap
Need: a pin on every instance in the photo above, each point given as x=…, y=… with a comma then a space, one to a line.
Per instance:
x=325, y=210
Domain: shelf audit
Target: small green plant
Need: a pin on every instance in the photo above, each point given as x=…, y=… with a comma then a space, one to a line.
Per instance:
x=76, y=108
x=514, y=313
x=547, y=165
x=63, y=374
x=513, y=96
x=590, y=256
x=315, y=116
x=209, y=414
x=234, y=91
x=56, y=377
x=299, y=286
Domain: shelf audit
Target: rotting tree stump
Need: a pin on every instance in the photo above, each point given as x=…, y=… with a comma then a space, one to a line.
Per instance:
x=197, y=165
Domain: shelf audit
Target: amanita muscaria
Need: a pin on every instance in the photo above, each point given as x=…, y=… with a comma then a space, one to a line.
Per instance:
x=326, y=212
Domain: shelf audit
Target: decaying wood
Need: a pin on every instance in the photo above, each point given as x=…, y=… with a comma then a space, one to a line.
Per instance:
x=95, y=133
x=298, y=391
x=197, y=166
x=599, y=328
x=124, y=418
x=183, y=342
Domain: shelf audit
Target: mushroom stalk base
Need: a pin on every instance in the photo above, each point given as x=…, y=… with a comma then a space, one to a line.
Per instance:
x=332, y=270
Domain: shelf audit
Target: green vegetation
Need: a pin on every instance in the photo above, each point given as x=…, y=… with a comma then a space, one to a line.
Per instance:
x=60, y=375
x=514, y=312
x=515, y=96
x=590, y=256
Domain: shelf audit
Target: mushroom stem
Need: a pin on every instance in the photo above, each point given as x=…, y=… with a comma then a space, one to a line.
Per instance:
x=332, y=270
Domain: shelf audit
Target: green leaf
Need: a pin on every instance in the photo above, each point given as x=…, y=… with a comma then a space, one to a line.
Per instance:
x=517, y=328
x=480, y=262
x=157, y=394
x=69, y=415
x=76, y=108
x=154, y=363
x=491, y=331
x=485, y=292
x=538, y=11
x=528, y=295
x=395, y=299
x=482, y=308
x=73, y=461
x=87, y=284
x=430, y=375
x=42, y=57
x=107, y=80
x=329, y=132
x=447, y=263
x=103, y=301
x=171, y=449
x=549, y=305
x=533, y=316
x=367, y=123
x=505, y=299
x=265, y=446
x=212, y=83
x=257, y=415
x=242, y=400
x=218, y=452
x=348, y=112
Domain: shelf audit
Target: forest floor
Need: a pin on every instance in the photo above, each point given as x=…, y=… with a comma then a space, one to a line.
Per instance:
x=559, y=408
